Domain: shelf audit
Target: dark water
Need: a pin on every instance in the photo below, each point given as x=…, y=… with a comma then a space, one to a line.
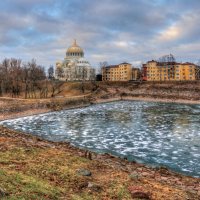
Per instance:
x=152, y=133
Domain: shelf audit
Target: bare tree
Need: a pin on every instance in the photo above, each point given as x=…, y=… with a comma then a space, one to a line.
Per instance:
x=10, y=76
x=197, y=73
x=55, y=87
x=101, y=66
x=15, y=74
x=167, y=58
x=59, y=72
x=16, y=77
x=32, y=75
x=5, y=76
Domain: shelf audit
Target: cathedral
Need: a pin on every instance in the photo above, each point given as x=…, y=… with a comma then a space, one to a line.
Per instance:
x=74, y=67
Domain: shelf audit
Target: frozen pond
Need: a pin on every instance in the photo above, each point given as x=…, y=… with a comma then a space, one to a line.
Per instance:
x=152, y=133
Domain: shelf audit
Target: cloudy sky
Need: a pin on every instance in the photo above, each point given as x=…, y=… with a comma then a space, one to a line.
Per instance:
x=108, y=30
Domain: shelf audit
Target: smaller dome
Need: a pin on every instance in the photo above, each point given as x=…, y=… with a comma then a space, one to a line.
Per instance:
x=58, y=64
x=75, y=50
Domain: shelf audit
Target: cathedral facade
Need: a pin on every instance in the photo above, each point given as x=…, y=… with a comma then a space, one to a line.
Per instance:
x=74, y=67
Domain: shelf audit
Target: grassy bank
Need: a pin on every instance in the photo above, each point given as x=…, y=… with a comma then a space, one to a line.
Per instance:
x=31, y=168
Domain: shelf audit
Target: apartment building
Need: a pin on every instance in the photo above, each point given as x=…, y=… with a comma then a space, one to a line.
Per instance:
x=170, y=71
x=121, y=72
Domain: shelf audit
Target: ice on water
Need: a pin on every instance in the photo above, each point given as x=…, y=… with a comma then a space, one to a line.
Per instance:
x=152, y=133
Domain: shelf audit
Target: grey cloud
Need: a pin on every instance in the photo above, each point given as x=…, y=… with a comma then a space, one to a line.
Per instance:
x=112, y=30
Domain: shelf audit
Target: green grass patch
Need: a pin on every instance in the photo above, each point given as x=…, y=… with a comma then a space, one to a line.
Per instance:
x=118, y=191
x=20, y=186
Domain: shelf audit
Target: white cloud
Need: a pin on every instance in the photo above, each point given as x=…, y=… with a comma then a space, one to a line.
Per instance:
x=170, y=34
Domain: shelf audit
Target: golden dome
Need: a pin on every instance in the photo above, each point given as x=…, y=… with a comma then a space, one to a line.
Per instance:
x=74, y=50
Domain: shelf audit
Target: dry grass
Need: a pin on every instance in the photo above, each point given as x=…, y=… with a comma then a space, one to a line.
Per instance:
x=31, y=168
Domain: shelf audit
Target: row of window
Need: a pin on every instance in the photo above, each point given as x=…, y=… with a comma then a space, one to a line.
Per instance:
x=191, y=74
x=169, y=66
x=177, y=78
x=164, y=70
x=74, y=54
x=124, y=72
x=116, y=70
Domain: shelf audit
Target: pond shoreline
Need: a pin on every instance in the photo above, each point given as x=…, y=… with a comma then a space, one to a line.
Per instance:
x=29, y=112
x=159, y=100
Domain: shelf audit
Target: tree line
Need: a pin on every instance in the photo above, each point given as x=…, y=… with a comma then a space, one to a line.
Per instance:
x=29, y=79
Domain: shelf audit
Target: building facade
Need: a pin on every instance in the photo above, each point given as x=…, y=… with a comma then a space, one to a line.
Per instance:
x=74, y=67
x=170, y=71
x=136, y=74
x=121, y=72
x=144, y=73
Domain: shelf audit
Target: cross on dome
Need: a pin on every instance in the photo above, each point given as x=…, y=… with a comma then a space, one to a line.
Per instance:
x=74, y=51
x=74, y=44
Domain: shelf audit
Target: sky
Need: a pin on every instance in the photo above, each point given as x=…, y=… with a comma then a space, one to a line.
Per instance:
x=115, y=31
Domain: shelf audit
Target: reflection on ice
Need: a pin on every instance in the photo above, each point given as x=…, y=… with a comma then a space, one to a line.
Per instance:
x=153, y=133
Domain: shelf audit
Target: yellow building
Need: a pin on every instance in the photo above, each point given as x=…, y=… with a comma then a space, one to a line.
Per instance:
x=170, y=71
x=121, y=72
